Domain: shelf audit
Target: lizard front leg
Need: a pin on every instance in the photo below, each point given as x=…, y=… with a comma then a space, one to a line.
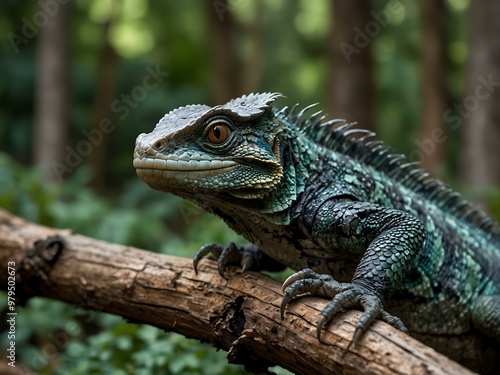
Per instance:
x=391, y=238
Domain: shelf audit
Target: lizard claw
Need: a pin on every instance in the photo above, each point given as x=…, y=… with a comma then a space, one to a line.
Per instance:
x=305, y=274
x=305, y=281
x=344, y=296
x=229, y=254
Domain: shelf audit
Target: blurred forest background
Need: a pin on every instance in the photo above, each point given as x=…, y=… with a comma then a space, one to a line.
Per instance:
x=81, y=79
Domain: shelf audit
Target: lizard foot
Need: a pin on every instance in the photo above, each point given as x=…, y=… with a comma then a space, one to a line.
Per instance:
x=344, y=296
x=230, y=254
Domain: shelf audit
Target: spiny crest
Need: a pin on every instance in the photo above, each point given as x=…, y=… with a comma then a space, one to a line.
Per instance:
x=341, y=137
x=251, y=105
x=184, y=119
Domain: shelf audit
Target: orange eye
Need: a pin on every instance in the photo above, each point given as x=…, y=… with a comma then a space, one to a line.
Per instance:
x=218, y=133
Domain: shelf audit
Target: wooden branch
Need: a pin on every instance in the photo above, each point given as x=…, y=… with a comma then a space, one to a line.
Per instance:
x=240, y=314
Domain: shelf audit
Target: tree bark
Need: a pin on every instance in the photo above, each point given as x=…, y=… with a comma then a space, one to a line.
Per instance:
x=434, y=98
x=52, y=93
x=479, y=110
x=240, y=314
x=350, y=83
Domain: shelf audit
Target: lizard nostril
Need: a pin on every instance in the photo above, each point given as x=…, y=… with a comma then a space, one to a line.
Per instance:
x=159, y=145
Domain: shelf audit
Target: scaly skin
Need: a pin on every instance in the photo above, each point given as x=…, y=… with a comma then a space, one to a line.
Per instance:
x=362, y=228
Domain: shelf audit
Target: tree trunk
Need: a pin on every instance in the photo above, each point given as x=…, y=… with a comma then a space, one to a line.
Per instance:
x=480, y=111
x=434, y=98
x=240, y=314
x=52, y=99
x=254, y=61
x=350, y=84
x=225, y=67
x=105, y=93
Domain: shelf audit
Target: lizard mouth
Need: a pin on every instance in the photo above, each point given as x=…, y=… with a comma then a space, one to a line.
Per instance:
x=181, y=169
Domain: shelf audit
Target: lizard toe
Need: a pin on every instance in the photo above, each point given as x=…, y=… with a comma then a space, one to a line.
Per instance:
x=297, y=287
x=393, y=321
x=355, y=297
x=207, y=249
x=305, y=274
x=230, y=254
x=308, y=281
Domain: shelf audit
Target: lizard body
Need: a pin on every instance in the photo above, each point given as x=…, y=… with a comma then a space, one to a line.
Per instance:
x=361, y=226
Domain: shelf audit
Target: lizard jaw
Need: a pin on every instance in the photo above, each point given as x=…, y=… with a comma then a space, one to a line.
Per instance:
x=170, y=169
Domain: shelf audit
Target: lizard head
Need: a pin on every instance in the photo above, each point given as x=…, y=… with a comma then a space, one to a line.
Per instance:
x=231, y=148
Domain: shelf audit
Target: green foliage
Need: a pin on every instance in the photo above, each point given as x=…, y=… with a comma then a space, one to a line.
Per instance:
x=22, y=193
x=125, y=348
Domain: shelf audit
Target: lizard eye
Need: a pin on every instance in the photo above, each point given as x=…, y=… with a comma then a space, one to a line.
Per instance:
x=218, y=132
